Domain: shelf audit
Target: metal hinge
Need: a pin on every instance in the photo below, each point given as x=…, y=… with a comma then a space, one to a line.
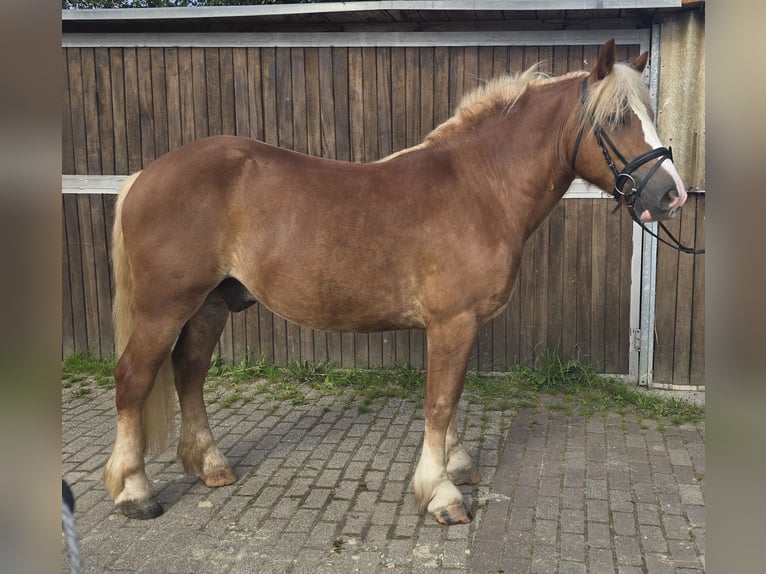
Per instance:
x=635, y=335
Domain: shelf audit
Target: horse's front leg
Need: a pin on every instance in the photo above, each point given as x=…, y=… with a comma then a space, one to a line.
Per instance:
x=449, y=344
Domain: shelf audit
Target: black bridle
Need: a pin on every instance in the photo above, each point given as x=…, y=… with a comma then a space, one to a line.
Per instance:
x=625, y=176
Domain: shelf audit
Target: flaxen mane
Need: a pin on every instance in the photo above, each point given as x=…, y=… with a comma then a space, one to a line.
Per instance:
x=606, y=104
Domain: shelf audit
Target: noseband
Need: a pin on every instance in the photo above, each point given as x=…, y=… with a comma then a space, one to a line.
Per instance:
x=625, y=176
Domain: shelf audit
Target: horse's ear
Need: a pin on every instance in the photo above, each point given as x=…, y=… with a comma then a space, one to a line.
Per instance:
x=606, y=59
x=639, y=62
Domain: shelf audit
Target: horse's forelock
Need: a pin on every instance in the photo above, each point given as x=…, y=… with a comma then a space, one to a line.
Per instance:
x=609, y=99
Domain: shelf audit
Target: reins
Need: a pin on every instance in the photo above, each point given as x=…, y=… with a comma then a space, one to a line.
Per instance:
x=625, y=175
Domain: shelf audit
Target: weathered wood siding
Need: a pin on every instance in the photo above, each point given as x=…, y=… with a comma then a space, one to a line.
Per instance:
x=679, y=348
x=126, y=106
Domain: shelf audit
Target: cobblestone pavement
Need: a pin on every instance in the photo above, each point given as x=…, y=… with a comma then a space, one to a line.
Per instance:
x=325, y=487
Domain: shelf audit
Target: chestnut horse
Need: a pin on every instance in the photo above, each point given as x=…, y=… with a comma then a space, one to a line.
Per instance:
x=430, y=237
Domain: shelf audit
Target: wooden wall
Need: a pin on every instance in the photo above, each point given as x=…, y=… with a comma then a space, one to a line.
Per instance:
x=126, y=106
x=679, y=344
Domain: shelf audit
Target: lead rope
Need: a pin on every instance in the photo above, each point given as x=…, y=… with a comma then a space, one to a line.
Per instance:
x=70, y=535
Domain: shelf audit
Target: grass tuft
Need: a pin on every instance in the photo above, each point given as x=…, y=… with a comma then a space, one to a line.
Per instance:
x=576, y=384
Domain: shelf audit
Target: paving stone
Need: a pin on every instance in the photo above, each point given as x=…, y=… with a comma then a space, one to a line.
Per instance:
x=324, y=489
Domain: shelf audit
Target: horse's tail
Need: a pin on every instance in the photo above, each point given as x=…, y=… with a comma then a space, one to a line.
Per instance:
x=158, y=415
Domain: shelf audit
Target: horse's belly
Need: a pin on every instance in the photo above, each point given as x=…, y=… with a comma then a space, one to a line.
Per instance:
x=356, y=304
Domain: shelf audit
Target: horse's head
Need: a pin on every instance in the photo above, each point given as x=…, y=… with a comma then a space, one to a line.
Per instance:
x=617, y=147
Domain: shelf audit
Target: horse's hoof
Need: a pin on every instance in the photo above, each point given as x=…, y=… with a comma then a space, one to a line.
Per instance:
x=468, y=475
x=219, y=477
x=141, y=510
x=455, y=514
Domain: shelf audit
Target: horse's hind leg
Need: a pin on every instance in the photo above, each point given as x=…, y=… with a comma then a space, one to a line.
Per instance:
x=197, y=451
x=135, y=372
x=449, y=345
x=460, y=468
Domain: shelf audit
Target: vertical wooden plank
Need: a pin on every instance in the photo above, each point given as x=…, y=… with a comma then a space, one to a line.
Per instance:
x=241, y=89
x=88, y=276
x=213, y=91
x=199, y=93
x=120, y=132
x=99, y=222
x=298, y=96
x=146, y=106
x=255, y=93
x=442, y=110
x=356, y=104
x=228, y=111
x=500, y=61
x=326, y=103
x=613, y=285
x=67, y=150
x=67, y=320
x=79, y=313
x=132, y=115
x=284, y=105
x=456, y=76
x=105, y=113
x=684, y=299
x=697, y=355
x=159, y=101
x=340, y=65
x=584, y=276
x=540, y=297
x=77, y=111
x=90, y=103
x=599, y=242
x=187, y=89
x=109, y=202
x=486, y=56
x=313, y=108
x=626, y=254
x=665, y=308
x=173, y=99
x=398, y=100
x=526, y=286
x=555, y=284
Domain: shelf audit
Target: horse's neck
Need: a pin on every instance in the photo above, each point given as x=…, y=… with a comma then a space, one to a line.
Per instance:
x=522, y=158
